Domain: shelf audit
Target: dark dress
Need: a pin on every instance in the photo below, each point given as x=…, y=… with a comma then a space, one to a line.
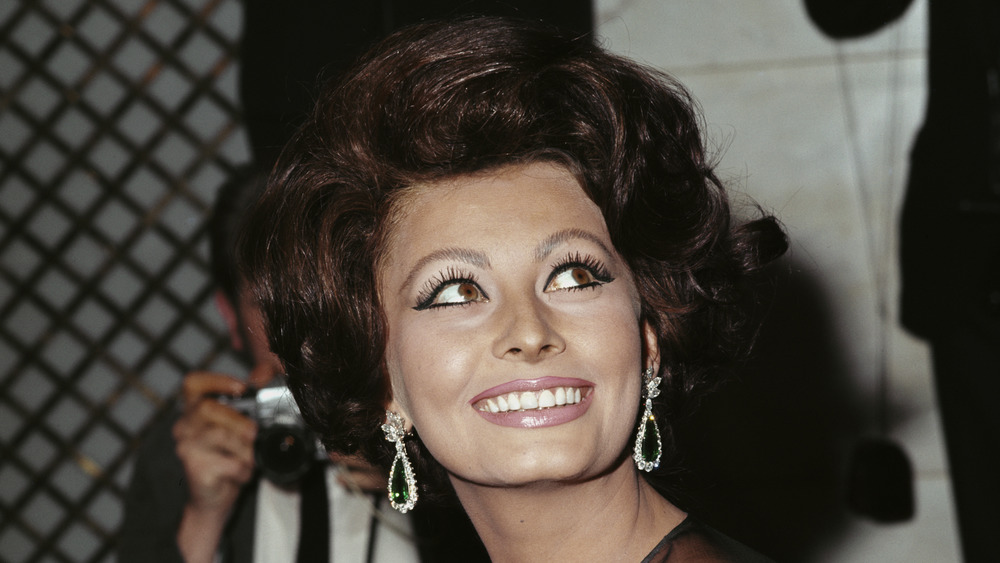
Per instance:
x=693, y=541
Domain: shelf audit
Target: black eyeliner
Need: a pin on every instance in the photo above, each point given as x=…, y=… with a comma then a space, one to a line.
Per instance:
x=589, y=263
x=434, y=286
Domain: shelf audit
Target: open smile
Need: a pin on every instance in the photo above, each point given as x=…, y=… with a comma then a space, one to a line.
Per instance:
x=535, y=403
x=532, y=400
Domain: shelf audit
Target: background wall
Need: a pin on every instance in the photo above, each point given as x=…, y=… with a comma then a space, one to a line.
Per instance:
x=116, y=128
x=117, y=125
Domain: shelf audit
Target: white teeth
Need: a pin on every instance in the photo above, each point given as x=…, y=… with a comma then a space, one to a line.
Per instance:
x=529, y=401
x=546, y=399
x=514, y=402
x=532, y=400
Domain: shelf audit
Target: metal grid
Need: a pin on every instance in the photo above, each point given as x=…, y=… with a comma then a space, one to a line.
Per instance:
x=118, y=122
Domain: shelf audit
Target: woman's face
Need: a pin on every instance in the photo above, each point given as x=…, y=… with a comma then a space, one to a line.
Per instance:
x=514, y=338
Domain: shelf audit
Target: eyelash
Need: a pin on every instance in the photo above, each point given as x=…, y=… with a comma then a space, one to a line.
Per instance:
x=451, y=276
x=593, y=265
x=434, y=286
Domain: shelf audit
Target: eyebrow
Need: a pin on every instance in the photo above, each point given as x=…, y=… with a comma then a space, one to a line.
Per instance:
x=467, y=255
x=545, y=248
x=480, y=260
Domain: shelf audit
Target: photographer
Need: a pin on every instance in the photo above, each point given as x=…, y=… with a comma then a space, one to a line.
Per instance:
x=197, y=493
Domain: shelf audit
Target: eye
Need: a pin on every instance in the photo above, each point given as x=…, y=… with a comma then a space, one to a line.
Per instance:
x=570, y=278
x=458, y=292
x=577, y=272
x=449, y=290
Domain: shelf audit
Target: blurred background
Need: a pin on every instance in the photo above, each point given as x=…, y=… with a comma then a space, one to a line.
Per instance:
x=119, y=120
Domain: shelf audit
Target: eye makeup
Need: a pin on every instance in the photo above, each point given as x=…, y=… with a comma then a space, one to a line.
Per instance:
x=457, y=287
x=580, y=272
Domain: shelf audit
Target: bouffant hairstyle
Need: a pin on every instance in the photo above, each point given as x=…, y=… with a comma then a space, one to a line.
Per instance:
x=449, y=98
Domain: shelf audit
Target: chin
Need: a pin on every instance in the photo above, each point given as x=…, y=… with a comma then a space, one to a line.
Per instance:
x=548, y=467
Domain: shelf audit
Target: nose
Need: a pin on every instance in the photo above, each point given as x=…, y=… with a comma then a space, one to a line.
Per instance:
x=526, y=331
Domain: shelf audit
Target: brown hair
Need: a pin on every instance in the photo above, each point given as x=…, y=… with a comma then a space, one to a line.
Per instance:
x=443, y=99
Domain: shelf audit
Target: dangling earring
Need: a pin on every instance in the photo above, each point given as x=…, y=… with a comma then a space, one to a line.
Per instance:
x=648, y=448
x=402, y=483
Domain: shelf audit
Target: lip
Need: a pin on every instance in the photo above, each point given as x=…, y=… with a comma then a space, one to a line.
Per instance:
x=521, y=385
x=537, y=418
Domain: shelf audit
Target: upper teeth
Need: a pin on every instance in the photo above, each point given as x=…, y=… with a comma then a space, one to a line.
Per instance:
x=531, y=400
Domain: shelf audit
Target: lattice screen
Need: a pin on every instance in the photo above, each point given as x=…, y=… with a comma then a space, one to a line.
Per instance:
x=117, y=125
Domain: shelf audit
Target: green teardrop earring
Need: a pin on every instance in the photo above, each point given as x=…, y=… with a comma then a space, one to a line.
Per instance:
x=648, y=448
x=402, y=483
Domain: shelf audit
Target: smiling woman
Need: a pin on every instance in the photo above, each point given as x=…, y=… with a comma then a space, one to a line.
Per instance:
x=505, y=250
x=545, y=308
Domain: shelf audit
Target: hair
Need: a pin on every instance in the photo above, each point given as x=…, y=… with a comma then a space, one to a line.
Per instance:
x=444, y=99
x=232, y=203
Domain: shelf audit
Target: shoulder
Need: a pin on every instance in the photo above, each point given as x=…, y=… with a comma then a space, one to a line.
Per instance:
x=693, y=541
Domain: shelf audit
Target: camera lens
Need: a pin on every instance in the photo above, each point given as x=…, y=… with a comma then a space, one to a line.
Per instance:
x=284, y=452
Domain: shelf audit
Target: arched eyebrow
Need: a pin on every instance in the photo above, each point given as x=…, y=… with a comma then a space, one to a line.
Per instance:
x=467, y=255
x=545, y=248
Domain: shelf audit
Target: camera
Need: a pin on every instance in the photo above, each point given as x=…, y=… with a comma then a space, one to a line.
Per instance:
x=284, y=449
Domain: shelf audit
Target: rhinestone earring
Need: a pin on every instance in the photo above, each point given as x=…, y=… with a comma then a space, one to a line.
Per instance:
x=647, y=449
x=402, y=483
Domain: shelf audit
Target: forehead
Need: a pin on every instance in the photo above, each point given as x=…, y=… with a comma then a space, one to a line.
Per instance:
x=502, y=204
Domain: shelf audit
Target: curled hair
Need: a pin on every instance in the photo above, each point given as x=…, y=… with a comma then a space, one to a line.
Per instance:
x=450, y=98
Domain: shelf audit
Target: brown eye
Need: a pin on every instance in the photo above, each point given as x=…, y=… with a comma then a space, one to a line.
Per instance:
x=458, y=293
x=581, y=276
x=468, y=291
x=570, y=278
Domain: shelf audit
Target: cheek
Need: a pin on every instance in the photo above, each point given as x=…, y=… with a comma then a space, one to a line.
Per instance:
x=395, y=355
x=425, y=367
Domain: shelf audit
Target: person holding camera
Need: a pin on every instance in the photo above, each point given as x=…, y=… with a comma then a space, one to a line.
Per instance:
x=207, y=485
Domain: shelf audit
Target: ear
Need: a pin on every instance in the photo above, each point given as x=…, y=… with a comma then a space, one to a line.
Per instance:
x=396, y=407
x=651, y=347
x=232, y=319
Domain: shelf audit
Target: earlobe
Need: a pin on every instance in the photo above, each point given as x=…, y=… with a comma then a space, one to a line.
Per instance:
x=228, y=313
x=651, y=347
x=396, y=407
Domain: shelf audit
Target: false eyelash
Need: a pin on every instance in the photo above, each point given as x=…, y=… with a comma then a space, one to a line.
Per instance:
x=577, y=260
x=433, y=287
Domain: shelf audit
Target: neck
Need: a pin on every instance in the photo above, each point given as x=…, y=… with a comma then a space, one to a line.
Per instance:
x=615, y=517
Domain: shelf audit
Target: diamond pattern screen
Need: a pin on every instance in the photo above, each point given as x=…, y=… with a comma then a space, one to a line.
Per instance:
x=118, y=122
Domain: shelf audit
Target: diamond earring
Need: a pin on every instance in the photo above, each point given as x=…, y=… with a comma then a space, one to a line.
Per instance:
x=647, y=449
x=402, y=483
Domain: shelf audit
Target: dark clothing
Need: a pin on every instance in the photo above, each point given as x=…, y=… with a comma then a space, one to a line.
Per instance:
x=950, y=240
x=950, y=237
x=967, y=369
x=693, y=541
x=155, y=501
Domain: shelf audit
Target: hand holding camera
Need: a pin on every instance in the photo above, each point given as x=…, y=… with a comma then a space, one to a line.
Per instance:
x=215, y=446
x=214, y=443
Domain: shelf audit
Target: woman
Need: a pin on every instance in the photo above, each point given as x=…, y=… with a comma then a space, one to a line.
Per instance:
x=496, y=260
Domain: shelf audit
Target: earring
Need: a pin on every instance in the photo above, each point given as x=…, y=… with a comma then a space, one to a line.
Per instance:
x=648, y=448
x=402, y=483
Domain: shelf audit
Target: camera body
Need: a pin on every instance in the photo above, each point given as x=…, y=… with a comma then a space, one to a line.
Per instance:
x=285, y=448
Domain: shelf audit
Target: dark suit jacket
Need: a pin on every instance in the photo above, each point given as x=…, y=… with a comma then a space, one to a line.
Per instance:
x=156, y=498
